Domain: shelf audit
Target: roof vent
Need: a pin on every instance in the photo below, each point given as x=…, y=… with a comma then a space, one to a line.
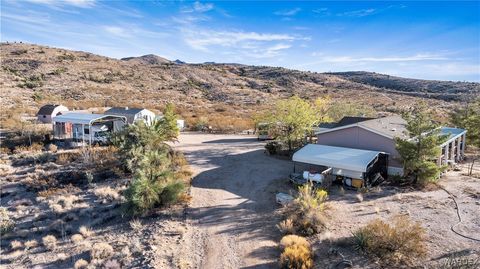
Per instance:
x=126, y=108
x=394, y=129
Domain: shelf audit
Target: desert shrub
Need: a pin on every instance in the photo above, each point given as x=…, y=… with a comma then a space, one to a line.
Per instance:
x=107, y=193
x=273, y=147
x=35, y=147
x=101, y=251
x=85, y=231
x=66, y=157
x=112, y=264
x=15, y=244
x=290, y=240
x=79, y=264
x=31, y=244
x=397, y=243
x=76, y=238
x=50, y=242
x=296, y=257
x=307, y=211
x=6, y=224
x=52, y=148
x=286, y=226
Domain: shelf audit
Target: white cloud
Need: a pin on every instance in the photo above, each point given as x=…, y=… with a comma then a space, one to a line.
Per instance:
x=56, y=3
x=417, y=57
x=289, y=12
x=358, y=13
x=322, y=11
x=198, y=7
x=202, y=39
x=117, y=31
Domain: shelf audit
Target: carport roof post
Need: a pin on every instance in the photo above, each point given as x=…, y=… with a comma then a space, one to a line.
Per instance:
x=336, y=157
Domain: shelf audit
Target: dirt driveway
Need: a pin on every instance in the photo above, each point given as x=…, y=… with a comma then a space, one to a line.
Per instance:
x=233, y=207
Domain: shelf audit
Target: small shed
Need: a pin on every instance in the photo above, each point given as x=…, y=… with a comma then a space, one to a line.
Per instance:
x=353, y=167
x=83, y=127
x=132, y=114
x=47, y=112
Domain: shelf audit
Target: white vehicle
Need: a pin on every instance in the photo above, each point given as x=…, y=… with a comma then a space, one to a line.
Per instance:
x=99, y=134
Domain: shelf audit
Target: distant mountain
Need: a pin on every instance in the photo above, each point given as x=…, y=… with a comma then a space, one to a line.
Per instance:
x=177, y=61
x=448, y=90
x=32, y=75
x=147, y=59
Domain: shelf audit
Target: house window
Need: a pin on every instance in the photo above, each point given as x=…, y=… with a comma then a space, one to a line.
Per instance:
x=86, y=131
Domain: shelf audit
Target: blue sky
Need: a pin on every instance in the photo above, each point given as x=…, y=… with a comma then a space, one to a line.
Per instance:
x=431, y=40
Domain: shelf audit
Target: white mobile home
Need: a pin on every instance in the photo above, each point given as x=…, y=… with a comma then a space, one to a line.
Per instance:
x=132, y=114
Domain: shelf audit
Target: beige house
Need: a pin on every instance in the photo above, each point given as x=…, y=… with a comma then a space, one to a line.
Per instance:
x=378, y=134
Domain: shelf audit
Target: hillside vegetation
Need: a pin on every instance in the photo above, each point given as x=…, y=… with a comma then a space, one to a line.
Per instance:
x=32, y=75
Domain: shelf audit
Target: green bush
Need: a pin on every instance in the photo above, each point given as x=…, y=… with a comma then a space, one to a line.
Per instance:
x=273, y=147
x=142, y=195
x=171, y=193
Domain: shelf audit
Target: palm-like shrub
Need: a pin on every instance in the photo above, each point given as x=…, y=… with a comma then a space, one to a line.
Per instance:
x=152, y=161
x=307, y=212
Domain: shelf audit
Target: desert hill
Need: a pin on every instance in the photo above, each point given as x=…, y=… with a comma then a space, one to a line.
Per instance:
x=32, y=75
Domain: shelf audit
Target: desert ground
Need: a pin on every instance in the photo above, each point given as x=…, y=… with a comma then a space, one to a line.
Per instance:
x=230, y=221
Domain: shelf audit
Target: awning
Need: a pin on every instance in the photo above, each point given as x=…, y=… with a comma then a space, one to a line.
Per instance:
x=451, y=134
x=84, y=118
x=335, y=157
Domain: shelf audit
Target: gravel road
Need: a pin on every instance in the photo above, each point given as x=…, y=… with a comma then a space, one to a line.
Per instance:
x=233, y=208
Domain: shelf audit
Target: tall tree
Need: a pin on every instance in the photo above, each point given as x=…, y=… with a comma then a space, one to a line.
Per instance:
x=468, y=118
x=421, y=149
x=292, y=119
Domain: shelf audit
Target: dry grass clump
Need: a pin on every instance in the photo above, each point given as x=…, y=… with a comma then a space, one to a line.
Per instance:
x=15, y=244
x=101, y=251
x=63, y=203
x=307, y=212
x=286, y=226
x=31, y=244
x=67, y=157
x=50, y=242
x=85, y=231
x=35, y=147
x=52, y=148
x=107, y=193
x=6, y=224
x=296, y=254
x=80, y=264
x=76, y=238
x=398, y=243
x=112, y=264
x=136, y=225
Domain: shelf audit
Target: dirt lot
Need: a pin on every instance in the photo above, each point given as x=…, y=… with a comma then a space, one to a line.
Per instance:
x=234, y=214
x=231, y=221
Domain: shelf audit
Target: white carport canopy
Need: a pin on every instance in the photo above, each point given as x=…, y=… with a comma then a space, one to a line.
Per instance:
x=335, y=157
x=83, y=118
